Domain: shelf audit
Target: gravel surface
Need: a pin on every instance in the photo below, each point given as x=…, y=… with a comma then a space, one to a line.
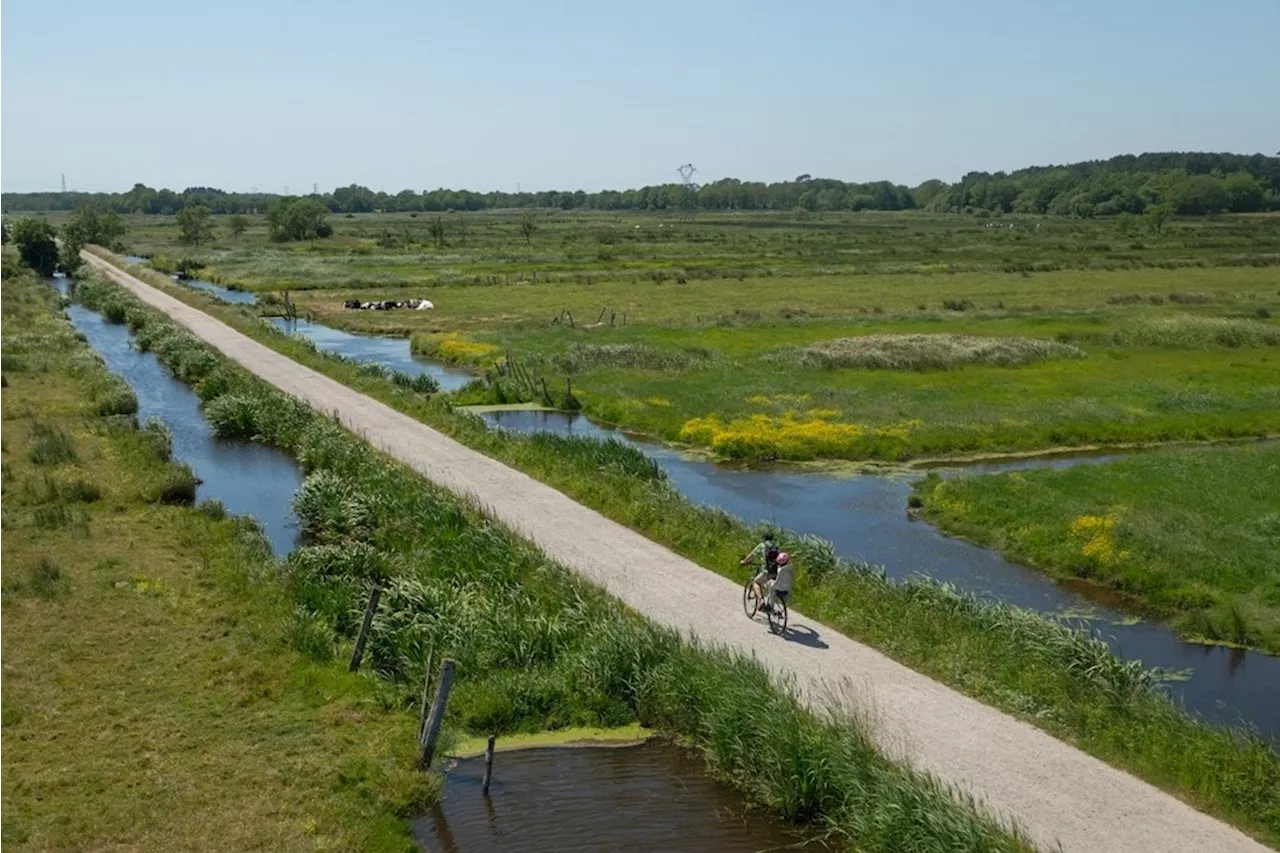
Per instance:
x=1055, y=793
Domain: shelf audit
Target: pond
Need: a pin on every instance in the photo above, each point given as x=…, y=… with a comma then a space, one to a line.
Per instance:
x=651, y=797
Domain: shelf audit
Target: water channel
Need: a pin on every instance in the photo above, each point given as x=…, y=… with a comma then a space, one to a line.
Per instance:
x=864, y=517
x=249, y=479
x=654, y=796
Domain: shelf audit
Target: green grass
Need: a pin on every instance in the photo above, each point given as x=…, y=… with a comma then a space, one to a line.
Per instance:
x=537, y=648
x=150, y=701
x=1055, y=679
x=1190, y=534
x=686, y=329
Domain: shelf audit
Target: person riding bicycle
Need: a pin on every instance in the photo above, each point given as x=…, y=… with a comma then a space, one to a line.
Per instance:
x=767, y=552
x=780, y=586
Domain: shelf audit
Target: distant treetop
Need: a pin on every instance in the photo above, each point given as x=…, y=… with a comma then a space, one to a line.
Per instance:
x=1189, y=183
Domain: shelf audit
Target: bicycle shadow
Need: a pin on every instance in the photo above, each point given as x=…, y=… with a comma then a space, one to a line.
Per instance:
x=805, y=636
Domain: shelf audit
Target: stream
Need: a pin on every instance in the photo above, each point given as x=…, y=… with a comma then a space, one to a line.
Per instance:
x=864, y=517
x=250, y=479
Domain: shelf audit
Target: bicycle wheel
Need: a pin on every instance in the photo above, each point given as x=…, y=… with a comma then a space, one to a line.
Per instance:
x=778, y=616
x=750, y=601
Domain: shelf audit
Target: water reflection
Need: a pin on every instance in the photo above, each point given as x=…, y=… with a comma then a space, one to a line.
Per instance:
x=392, y=353
x=643, y=798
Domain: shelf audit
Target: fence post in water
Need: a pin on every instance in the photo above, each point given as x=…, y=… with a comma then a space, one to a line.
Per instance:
x=437, y=712
x=358, y=652
x=488, y=766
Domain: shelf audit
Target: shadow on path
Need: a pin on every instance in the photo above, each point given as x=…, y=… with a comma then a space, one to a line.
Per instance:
x=805, y=636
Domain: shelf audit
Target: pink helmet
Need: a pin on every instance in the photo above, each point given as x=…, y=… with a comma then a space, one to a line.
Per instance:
x=784, y=558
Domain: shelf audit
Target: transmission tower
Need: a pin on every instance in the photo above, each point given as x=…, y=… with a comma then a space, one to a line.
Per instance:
x=686, y=175
x=315, y=189
x=64, y=181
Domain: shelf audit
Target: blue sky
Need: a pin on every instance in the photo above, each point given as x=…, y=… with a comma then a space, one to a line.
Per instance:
x=489, y=94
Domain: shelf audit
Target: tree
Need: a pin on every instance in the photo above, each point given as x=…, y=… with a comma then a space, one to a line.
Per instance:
x=37, y=245
x=237, y=224
x=294, y=218
x=436, y=229
x=194, y=225
x=96, y=224
x=528, y=225
x=1245, y=193
x=1156, y=216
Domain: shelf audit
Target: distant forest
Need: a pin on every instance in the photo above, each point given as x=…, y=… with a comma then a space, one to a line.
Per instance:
x=1188, y=184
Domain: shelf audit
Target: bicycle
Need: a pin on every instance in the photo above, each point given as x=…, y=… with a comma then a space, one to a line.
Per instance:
x=752, y=605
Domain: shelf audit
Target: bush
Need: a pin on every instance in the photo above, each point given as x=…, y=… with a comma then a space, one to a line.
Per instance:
x=52, y=446
x=1192, y=332
x=158, y=439
x=81, y=491
x=212, y=508
x=178, y=487
x=46, y=579
x=119, y=400
x=421, y=384
x=957, y=304
x=329, y=508
x=931, y=352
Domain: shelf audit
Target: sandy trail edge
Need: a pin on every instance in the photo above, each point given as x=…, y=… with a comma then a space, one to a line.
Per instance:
x=1054, y=792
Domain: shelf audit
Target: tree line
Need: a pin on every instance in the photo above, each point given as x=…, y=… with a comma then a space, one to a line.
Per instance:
x=1187, y=183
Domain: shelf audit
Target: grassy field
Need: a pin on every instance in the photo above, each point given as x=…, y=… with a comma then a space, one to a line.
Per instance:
x=1191, y=534
x=536, y=648
x=151, y=700
x=1052, y=678
x=704, y=331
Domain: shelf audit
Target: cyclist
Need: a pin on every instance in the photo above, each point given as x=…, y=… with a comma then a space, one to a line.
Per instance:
x=780, y=586
x=767, y=552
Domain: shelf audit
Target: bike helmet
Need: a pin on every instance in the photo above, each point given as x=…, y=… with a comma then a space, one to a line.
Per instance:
x=784, y=558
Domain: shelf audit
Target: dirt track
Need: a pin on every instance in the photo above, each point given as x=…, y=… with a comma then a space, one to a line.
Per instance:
x=1057, y=794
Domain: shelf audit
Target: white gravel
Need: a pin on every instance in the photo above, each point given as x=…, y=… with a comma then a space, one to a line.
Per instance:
x=1056, y=793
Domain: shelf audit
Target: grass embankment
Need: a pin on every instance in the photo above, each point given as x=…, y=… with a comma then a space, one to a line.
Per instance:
x=1058, y=680
x=1190, y=534
x=150, y=699
x=537, y=648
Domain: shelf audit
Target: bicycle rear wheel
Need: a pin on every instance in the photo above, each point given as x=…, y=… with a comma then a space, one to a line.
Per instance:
x=778, y=616
x=750, y=601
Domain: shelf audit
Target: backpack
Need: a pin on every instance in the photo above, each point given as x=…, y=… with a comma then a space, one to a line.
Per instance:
x=771, y=556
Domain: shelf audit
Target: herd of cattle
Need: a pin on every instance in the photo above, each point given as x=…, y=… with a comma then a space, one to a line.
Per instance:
x=389, y=304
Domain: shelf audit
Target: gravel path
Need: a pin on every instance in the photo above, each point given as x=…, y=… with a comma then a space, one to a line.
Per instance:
x=1057, y=794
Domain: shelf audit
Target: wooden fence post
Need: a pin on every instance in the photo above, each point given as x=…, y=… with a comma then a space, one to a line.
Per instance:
x=488, y=766
x=358, y=652
x=437, y=712
x=426, y=696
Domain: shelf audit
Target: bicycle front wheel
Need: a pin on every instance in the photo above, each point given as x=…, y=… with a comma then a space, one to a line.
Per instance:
x=750, y=601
